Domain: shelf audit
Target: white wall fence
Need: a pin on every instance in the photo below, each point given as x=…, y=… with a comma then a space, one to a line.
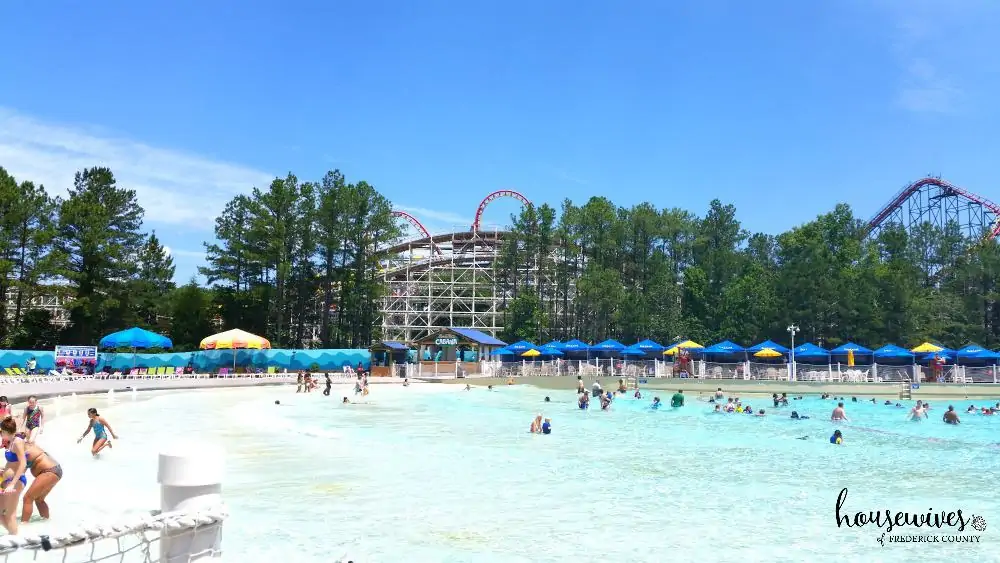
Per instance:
x=872, y=373
x=187, y=528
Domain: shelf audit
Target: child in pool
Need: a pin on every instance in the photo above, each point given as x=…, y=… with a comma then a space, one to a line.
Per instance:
x=837, y=438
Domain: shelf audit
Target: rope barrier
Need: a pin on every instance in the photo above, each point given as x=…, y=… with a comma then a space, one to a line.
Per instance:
x=156, y=521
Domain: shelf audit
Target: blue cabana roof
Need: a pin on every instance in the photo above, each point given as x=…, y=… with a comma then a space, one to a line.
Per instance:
x=395, y=346
x=135, y=337
x=892, y=351
x=809, y=350
x=478, y=337
x=648, y=345
x=575, y=346
x=767, y=344
x=976, y=352
x=633, y=350
x=521, y=347
x=850, y=347
x=549, y=351
x=724, y=347
x=555, y=344
x=609, y=345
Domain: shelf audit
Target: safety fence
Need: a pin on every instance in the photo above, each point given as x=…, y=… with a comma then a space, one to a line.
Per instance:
x=700, y=369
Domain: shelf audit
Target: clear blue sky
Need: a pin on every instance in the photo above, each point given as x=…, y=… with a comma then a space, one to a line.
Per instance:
x=782, y=107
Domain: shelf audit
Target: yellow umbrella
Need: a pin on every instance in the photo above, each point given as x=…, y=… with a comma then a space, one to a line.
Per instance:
x=531, y=353
x=850, y=358
x=686, y=345
x=926, y=348
x=235, y=339
x=768, y=353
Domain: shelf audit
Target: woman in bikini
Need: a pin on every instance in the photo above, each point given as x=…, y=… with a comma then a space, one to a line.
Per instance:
x=47, y=473
x=4, y=407
x=14, y=481
x=101, y=429
x=34, y=417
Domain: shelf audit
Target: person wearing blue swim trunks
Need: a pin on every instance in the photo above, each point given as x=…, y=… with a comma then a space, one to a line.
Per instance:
x=17, y=463
x=101, y=429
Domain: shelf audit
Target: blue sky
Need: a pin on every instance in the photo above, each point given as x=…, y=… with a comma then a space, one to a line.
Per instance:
x=783, y=108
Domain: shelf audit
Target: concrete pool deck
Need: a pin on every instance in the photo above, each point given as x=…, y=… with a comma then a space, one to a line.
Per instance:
x=19, y=392
x=697, y=387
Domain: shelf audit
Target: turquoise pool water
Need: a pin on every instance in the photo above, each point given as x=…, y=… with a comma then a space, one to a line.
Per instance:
x=434, y=473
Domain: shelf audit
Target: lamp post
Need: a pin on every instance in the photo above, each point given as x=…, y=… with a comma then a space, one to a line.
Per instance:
x=792, y=329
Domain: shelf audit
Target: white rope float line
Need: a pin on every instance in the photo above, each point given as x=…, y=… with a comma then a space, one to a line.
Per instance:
x=154, y=521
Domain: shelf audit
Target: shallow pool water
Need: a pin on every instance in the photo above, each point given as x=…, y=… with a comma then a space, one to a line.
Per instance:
x=436, y=473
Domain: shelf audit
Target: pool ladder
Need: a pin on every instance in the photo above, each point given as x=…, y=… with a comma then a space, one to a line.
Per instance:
x=906, y=391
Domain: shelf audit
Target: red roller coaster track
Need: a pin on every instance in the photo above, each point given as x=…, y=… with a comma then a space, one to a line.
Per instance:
x=947, y=189
x=493, y=196
x=418, y=226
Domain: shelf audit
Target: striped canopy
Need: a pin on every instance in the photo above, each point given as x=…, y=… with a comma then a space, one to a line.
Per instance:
x=235, y=339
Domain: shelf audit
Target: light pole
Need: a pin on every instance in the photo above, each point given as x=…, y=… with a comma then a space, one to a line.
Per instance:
x=792, y=329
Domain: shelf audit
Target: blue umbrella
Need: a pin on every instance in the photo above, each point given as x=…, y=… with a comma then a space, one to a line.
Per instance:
x=976, y=352
x=648, y=346
x=555, y=344
x=633, y=351
x=575, y=346
x=843, y=349
x=135, y=337
x=724, y=347
x=609, y=345
x=767, y=344
x=502, y=352
x=891, y=351
x=521, y=347
x=549, y=351
x=810, y=351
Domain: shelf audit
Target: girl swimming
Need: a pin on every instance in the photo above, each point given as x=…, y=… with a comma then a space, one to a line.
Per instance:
x=15, y=482
x=101, y=429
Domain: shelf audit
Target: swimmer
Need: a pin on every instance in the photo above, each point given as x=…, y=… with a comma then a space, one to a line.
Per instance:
x=548, y=400
x=656, y=403
x=637, y=395
x=101, y=429
x=718, y=394
x=596, y=390
x=971, y=409
x=678, y=399
x=328, y=385
x=579, y=385
x=718, y=409
x=277, y=402
x=584, y=400
x=547, y=426
x=345, y=401
x=299, y=380
x=406, y=382
x=854, y=399
x=468, y=387
x=621, y=387
x=950, y=416
x=837, y=438
x=605, y=403
x=917, y=412
x=795, y=416
x=510, y=381
x=783, y=399
x=839, y=414
x=47, y=473
x=887, y=403
x=760, y=412
x=747, y=410
x=5, y=410
x=489, y=387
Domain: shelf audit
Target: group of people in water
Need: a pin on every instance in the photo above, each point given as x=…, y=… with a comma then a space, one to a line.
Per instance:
x=24, y=456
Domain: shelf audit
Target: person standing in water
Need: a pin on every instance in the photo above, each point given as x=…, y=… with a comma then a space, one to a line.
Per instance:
x=329, y=384
x=678, y=399
x=101, y=429
x=47, y=473
x=14, y=479
x=839, y=414
x=34, y=418
x=950, y=416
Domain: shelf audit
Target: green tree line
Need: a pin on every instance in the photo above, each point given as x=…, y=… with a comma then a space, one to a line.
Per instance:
x=597, y=271
x=296, y=262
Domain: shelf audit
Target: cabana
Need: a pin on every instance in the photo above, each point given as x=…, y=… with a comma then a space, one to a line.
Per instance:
x=724, y=359
x=448, y=347
x=647, y=346
x=895, y=363
x=386, y=353
x=610, y=346
x=976, y=364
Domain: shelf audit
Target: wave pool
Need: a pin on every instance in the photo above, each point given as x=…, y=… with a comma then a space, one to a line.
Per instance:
x=438, y=474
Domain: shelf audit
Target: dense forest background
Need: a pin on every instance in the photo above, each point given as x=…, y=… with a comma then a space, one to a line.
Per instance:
x=288, y=257
x=644, y=272
x=298, y=262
